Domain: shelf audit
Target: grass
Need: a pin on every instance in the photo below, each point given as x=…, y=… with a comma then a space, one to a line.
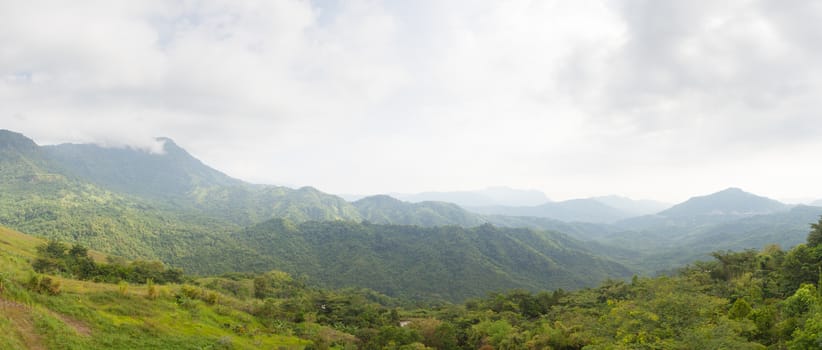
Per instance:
x=88, y=315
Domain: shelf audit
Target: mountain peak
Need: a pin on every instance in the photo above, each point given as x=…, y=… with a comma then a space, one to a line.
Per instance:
x=170, y=147
x=732, y=190
x=10, y=140
x=730, y=201
x=379, y=198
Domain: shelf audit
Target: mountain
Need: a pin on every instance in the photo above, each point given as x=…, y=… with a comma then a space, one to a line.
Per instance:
x=447, y=263
x=171, y=207
x=817, y=203
x=106, y=200
x=732, y=202
x=575, y=210
x=632, y=206
x=669, y=244
x=171, y=173
x=175, y=180
x=490, y=196
x=383, y=209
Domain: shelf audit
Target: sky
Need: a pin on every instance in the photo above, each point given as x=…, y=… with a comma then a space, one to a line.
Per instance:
x=648, y=99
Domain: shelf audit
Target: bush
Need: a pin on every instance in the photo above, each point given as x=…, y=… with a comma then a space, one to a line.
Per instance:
x=43, y=284
x=122, y=287
x=151, y=289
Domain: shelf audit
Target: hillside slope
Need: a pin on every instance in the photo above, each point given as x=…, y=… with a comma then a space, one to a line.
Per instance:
x=449, y=263
x=732, y=201
x=387, y=210
x=88, y=315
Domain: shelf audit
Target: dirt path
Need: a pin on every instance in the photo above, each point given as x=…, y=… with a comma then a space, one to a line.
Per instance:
x=79, y=326
x=20, y=316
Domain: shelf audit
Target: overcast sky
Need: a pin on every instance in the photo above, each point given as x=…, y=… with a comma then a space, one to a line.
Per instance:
x=649, y=99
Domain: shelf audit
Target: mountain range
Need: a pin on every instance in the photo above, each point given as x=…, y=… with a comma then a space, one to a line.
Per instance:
x=171, y=207
x=490, y=196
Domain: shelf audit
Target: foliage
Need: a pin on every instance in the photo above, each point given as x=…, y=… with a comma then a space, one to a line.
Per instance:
x=57, y=258
x=738, y=300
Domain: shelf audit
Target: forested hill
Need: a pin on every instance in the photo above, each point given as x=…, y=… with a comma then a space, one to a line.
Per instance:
x=383, y=209
x=449, y=263
x=172, y=180
x=172, y=173
x=56, y=296
x=193, y=217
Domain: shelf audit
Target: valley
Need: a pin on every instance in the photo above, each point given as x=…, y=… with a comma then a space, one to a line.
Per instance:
x=431, y=262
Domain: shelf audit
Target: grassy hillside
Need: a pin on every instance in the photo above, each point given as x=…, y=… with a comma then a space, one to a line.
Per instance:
x=87, y=315
x=766, y=299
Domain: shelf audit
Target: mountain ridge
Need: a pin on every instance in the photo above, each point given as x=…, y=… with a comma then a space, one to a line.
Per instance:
x=731, y=201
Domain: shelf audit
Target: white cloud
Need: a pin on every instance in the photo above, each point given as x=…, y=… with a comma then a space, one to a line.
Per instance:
x=645, y=98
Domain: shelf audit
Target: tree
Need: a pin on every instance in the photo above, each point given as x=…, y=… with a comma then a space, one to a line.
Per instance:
x=815, y=236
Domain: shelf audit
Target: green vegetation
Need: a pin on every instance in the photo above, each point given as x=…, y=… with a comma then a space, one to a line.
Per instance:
x=57, y=258
x=269, y=249
x=387, y=210
x=440, y=263
x=767, y=299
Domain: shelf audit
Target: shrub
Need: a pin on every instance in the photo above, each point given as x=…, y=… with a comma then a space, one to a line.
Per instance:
x=122, y=287
x=43, y=284
x=151, y=289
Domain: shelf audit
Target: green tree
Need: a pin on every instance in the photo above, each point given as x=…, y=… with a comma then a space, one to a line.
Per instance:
x=815, y=236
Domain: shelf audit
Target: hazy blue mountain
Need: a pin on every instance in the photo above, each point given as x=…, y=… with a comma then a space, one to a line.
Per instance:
x=450, y=262
x=633, y=206
x=383, y=209
x=674, y=243
x=732, y=201
x=487, y=197
x=575, y=210
x=817, y=203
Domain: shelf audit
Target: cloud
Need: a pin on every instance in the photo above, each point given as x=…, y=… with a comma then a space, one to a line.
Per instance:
x=576, y=98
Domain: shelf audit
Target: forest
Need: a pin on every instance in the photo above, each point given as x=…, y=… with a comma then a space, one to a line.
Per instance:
x=753, y=299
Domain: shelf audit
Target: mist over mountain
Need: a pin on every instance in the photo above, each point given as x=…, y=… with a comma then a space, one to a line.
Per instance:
x=817, y=203
x=490, y=196
x=581, y=210
x=173, y=172
x=662, y=244
x=170, y=206
x=178, y=179
x=633, y=206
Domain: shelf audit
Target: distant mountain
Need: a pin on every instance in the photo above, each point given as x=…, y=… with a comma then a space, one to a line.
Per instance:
x=632, y=206
x=448, y=263
x=817, y=203
x=488, y=197
x=678, y=241
x=732, y=201
x=575, y=210
x=383, y=209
